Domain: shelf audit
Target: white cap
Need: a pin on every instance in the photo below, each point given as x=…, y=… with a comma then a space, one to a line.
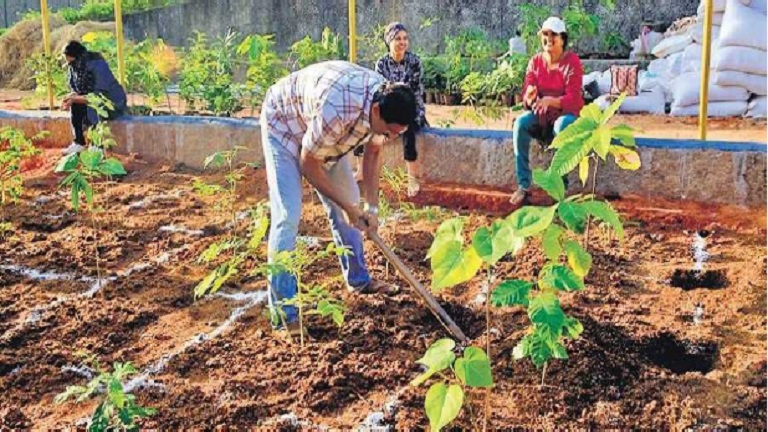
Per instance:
x=554, y=24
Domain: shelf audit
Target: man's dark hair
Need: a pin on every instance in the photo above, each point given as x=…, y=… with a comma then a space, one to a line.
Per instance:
x=397, y=103
x=564, y=35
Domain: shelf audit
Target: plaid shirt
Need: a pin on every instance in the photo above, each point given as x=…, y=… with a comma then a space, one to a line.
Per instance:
x=324, y=109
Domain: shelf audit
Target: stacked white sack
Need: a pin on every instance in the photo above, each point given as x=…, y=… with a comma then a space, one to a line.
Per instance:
x=743, y=48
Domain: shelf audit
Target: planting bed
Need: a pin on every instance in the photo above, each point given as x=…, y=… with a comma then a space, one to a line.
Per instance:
x=652, y=355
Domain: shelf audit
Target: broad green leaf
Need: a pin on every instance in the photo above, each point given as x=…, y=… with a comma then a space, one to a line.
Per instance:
x=579, y=259
x=510, y=293
x=216, y=160
x=537, y=345
x=567, y=158
x=517, y=245
x=70, y=392
x=225, y=272
x=75, y=195
x=473, y=369
x=573, y=327
x=215, y=249
x=604, y=212
x=259, y=230
x=448, y=231
x=550, y=241
x=87, y=189
x=591, y=112
x=100, y=418
x=492, y=244
x=611, y=110
x=504, y=240
x=552, y=184
x=558, y=351
x=522, y=349
x=573, y=215
x=112, y=167
x=544, y=309
x=579, y=130
x=443, y=404
x=115, y=392
x=91, y=159
x=601, y=141
x=70, y=179
x=204, y=286
x=451, y=265
x=439, y=356
x=584, y=171
x=67, y=163
x=328, y=309
x=559, y=277
x=483, y=243
x=625, y=158
x=529, y=221
x=625, y=134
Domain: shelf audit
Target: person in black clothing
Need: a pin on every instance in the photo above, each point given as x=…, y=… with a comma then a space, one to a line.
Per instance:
x=403, y=66
x=89, y=74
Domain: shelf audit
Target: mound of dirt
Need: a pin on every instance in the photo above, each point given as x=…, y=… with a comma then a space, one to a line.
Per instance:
x=25, y=39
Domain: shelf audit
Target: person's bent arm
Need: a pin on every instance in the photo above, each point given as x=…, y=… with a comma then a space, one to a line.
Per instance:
x=372, y=172
x=315, y=172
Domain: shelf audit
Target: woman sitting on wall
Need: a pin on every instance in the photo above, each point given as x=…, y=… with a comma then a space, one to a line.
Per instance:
x=89, y=74
x=552, y=98
x=401, y=65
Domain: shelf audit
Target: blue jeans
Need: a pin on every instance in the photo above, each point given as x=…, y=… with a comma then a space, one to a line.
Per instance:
x=525, y=126
x=285, y=193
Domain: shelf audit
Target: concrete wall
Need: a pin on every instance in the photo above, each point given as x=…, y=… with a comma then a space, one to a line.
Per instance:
x=718, y=172
x=291, y=20
x=10, y=10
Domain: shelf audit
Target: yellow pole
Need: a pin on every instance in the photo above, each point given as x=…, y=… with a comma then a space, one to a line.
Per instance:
x=120, y=44
x=705, y=59
x=352, y=32
x=47, y=49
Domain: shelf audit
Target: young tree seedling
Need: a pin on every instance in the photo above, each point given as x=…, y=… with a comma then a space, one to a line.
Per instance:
x=445, y=398
x=295, y=263
x=117, y=410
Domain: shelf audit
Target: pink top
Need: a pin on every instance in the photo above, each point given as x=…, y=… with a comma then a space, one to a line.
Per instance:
x=564, y=82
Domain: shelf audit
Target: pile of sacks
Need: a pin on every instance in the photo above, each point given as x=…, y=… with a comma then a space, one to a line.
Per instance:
x=737, y=65
x=737, y=62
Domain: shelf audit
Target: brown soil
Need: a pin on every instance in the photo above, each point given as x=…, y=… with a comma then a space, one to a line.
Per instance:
x=641, y=362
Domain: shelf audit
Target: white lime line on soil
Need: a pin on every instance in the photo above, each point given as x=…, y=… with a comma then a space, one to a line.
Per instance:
x=700, y=254
x=376, y=420
x=143, y=380
x=176, y=194
x=83, y=371
x=181, y=230
x=36, y=275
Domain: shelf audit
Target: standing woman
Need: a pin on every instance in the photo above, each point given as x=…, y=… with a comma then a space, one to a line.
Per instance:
x=552, y=99
x=89, y=74
x=403, y=66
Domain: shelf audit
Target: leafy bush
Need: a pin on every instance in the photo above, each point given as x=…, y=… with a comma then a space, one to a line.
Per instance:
x=207, y=74
x=433, y=70
x=39, y=63
x=306, y=51
x=15, y=147
x=264, y=66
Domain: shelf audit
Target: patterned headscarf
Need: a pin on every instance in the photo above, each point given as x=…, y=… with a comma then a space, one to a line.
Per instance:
x=391, y=32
